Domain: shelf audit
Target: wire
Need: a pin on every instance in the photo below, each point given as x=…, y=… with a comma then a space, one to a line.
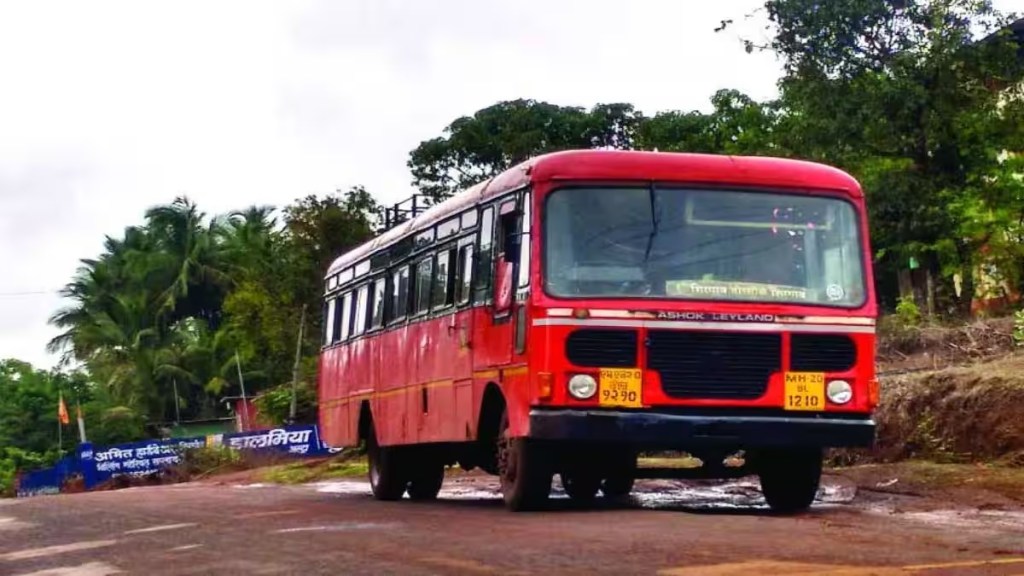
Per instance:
x=28, y=293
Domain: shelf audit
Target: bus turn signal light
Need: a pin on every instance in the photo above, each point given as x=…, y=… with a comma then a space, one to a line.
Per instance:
x=545, y=385
x=874, y=393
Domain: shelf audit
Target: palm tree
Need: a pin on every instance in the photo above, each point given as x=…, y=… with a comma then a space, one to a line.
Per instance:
x=250, y=239
x=193, y=260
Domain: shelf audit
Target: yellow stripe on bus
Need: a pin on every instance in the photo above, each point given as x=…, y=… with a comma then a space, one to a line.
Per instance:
x=511, y=371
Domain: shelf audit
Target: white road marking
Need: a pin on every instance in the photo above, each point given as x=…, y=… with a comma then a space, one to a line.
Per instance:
x=90, y=569
x=161, y=528
x=186, y=547
x=270, y=513
x=344, y=526
x=45, y=551
x=8, y=523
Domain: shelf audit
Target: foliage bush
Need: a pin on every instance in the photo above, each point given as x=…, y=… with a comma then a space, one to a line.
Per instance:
x=201, y=461
x=274, y=404
x=13, y=460
x=907, y=312
x=1018, y=327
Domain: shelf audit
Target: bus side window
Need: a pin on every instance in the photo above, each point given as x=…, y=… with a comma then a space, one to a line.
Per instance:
x=345, y=317
x=422, y=284
x=464, y=281
x=400, y=293
x=506, y=259
x=360, y=318
x=524, y=243
x=484, y=261
x=329, y=330
x=444, y=279
x=377, y=303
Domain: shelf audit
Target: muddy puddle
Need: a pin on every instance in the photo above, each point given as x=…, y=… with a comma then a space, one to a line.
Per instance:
x=737, y=495
x=649, y=494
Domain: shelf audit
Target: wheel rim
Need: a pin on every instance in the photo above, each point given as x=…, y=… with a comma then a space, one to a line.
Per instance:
x=507, y=469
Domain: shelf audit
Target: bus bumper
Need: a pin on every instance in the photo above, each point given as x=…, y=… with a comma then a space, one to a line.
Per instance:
x=653, y=429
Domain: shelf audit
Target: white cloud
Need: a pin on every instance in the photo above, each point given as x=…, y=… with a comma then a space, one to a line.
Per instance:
x=107, y=108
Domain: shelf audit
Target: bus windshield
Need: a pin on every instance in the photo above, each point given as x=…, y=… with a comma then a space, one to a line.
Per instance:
x=702, y=245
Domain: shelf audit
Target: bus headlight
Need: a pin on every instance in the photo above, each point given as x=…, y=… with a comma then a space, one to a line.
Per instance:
x=839, y=391
x=582, y=386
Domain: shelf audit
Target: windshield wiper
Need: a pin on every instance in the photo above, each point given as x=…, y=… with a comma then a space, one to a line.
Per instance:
x=654, y=224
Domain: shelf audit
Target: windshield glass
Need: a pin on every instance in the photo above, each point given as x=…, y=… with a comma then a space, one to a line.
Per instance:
x=702, y=245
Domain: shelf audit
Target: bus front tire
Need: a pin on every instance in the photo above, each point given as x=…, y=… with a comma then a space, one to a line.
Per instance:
x=388, y=478
x=790, y=480
x=524, y=471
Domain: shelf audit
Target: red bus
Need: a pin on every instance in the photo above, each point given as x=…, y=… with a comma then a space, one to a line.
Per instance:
x=586, y=306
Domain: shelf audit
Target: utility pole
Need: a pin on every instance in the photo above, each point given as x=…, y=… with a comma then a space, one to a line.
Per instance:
x=241, y=383
x=177, y=404
x=81, y=421
x=295, y=369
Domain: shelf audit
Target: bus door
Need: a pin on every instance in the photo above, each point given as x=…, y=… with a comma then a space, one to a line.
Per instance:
x=493, y=334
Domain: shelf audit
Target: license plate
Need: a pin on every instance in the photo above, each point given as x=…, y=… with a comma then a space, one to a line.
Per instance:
x=620, y=387
x=805, y=391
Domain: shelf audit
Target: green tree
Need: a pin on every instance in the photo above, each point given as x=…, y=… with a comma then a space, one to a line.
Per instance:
x=28, y=408
x=913, y=97
x=474, y=148
x=736, y=125
x=317, y=231
x=160, y=316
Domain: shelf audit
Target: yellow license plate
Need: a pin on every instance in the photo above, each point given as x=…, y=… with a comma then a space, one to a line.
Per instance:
x=804, y=391
x=620, y=387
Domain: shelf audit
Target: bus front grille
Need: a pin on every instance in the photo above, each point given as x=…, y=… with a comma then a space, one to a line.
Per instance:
x=596, y=348
x=822, y=352
x=714, y=365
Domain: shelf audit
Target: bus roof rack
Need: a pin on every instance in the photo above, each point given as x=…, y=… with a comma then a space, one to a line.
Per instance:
x=405, y=210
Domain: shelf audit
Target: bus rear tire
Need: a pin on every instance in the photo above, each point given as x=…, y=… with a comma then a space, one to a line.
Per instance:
x=790, y=480
x=581, y=486
x=524, y=470
x=388, y=479
x=621, y=475
x=425, y=482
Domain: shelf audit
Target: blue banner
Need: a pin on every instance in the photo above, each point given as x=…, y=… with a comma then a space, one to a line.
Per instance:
x=46, y=481
x=97, y=465
x=298, y=440
x=136, y=459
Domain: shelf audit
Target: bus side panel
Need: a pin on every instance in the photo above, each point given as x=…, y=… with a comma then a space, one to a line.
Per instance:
x=326, y=409
x=378, y=368
x=397, y=370
x=516, y=387
x=355, y=375
x=462, y=411
x=425, y=353
x=430, y=403
x=335, y=427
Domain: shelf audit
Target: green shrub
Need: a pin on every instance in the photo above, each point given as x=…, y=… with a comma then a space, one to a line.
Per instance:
x=1018, y=327
x=202, y=461
x=907, y=312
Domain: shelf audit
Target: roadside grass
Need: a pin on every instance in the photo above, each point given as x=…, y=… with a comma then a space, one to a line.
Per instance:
x=927, y=478
x=963, y=415
x=682, y=461
x=315, y=470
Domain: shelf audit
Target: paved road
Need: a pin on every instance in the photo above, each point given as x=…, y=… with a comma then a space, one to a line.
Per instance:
x=336, y=528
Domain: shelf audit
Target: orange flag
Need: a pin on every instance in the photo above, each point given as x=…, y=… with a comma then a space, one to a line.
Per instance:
x=62, y=412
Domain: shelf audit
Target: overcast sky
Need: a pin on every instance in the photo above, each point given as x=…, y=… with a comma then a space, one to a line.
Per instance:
x=107, y=108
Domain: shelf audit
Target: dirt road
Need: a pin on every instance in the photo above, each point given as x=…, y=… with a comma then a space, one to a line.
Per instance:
x=336, y=528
